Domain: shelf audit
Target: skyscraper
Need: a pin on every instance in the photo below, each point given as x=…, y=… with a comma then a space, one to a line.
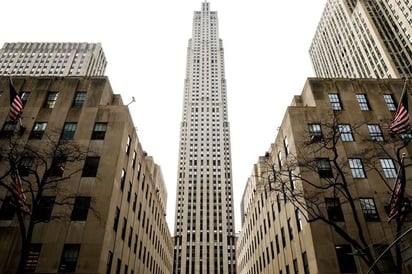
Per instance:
x=364, y=39
x=52, y=59
x=204, y=220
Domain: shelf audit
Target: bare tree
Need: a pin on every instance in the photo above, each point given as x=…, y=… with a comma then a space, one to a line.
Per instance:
x=42, y=171
x=320, y=168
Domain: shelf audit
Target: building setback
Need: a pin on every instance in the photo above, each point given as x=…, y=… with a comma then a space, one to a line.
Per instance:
x=52, y=59
x=204, y=222
x=276, y=236
x=114, y=221
x=363, y=39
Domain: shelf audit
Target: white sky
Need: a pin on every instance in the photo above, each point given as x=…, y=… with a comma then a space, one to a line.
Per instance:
x=266, y=46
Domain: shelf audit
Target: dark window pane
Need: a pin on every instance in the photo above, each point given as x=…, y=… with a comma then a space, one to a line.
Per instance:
x=345, y=259
x=45, y=207
x=324, y=168
x=51, y=99
x=81, y=208
x=32, y=258
x=68, y=131
x=7, y=130
x=79, y=98
x=334, y=209
x=7, y=209
x=90, y=167
x=70, y=255
x=99, y=131
x=38, y=130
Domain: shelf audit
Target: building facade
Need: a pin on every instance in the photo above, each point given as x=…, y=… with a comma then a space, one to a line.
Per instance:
x=52, y=59
x=106, y=211
x=204, y=222
x=363, y=39
x=317, y=201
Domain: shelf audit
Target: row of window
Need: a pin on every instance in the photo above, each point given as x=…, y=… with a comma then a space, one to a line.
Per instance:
x=51, y=99
x=363, y=102
x=68, y=131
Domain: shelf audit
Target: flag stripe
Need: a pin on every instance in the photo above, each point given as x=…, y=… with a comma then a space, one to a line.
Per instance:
x=16, y=104
x=400, y=123
x=397, y=194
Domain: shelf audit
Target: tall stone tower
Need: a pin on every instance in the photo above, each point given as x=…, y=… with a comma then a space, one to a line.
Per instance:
x=204, y=220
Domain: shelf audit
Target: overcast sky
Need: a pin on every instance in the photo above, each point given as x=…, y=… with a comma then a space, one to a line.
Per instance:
x=266, y=46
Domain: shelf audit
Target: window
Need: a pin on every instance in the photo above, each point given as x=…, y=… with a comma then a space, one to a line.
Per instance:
x=290, y=229
x=134, y=159
x=116, y=218
x=32, y=258
x=324, y=168
x=90, y=167
x=298, y=219
x=68, y=131
x=305, y=263
x=286, y=145
x=335, y=101
x=79, y=98
x=388, y=168
x=45, y=208
x=80, y=208
x=24, y=97
x=122, y=179
x=369, y=209
x=128, y=145
x=38, y=130
x=345, y=259
x=345, y=132
x=51, y=99
x=109, y=262
x=8, y=130
x=25, y=164
x=386, y=263
x=315, y=132
x=334, y=209
x=124, y=228
x=70, y=255
x=390, y=102
x=363, y=101
x=356, y=167
x=7, y=209
x=375, y=132
x=57, y=166
x=99, y=131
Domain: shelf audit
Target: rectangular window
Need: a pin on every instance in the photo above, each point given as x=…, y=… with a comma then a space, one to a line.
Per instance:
x=290, y=229
x=124, y=228
x=335, y=101
x=363, y=101
x=7, y=209
x=80, y=208
x=8, y=130
x=79, y=98
x=375, y=132
x=90, y=166
x=388, y=168
x=345, y=132
x=315, y=132
x=122, y=179
x=282, y=234
x=390, y=102
x=356, y=167
x=45, y=207
x=128, y=145
x=324, y=168
x=298, y=219
x=109, y=262
x=334, y=209
x=38, y=130
x=345, y=259
x=286, y=145
x=369, y=209
x=116, y=218
x=305, y=263
x=51, y=99
x=32, y=258
x=24, y=97
x=70, y=255
x=57, y=166
x=69, y=129
x=26, y=163
x=99, y=131
x=386, y=263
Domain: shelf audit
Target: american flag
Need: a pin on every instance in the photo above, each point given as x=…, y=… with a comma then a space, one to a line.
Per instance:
x=21, y=202
x=16, y=105
x=397, y=194
x=400, y=123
